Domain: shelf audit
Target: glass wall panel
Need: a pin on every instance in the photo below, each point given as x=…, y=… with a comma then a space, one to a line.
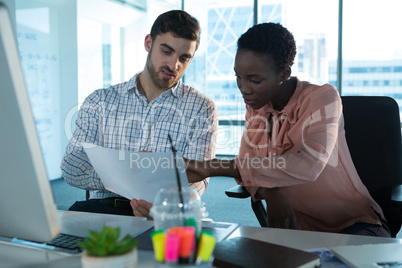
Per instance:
x=211, y=70
x=110, y=50
x=372, y=50
x=40, y=35
x=111, y=40
x=223, y=22
x=314, y=25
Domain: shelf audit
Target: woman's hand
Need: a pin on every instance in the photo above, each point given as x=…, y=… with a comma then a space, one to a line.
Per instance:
x=141, y=208
x=199, y=170
x=279, y=211
x=196, y=170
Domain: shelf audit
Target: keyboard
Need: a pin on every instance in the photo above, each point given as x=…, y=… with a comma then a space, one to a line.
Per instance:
x=62, y=243
x=66, y=243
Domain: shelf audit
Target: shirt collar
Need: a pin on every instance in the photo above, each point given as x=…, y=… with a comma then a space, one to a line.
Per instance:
x=132, y=86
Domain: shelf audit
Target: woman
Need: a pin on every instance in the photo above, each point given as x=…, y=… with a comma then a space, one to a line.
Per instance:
x=293, y=152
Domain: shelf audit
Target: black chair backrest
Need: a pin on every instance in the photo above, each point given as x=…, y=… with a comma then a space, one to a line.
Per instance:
x=373, y=135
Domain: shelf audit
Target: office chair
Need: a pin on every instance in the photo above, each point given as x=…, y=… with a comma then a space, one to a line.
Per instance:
x=373, y=135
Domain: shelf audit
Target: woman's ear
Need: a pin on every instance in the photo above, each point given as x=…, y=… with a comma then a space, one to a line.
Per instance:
x=286, y=73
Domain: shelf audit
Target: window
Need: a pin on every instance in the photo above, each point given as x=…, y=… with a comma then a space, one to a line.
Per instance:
x=43, y=42
x=371, y=48
x=111, y=40
x=223, y=22
x=68, y=49
x=211, y=70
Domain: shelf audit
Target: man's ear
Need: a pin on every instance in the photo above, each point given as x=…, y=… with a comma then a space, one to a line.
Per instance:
x=148, y=42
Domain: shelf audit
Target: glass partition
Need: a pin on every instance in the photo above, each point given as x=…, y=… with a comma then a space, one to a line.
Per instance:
x=111, y=40
x=68, y=49
x=44, y=42
x=372, y=51
x=223, y=22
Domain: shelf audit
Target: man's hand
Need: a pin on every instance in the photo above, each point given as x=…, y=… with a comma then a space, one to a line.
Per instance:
x=141, y=208
x=280, y=212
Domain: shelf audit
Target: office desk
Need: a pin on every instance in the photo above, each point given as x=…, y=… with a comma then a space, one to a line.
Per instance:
x=77, y=223
x=306, y=240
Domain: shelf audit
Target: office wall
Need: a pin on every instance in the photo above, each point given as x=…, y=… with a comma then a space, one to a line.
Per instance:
x=47, y=41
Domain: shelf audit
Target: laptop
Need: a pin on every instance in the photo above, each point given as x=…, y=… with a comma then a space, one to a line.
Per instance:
x=370, y=255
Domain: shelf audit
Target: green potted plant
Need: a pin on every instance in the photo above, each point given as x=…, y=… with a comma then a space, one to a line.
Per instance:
x=104, y=249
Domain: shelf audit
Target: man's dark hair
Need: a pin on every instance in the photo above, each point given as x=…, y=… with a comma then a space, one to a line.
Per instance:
x=271, y=40
x=179, y=23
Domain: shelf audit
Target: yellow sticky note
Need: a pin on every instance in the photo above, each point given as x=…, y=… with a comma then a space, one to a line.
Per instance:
x=206, y=247
x=158, y=241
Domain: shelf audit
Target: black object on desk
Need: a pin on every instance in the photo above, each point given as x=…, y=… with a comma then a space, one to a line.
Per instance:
x=246, y=252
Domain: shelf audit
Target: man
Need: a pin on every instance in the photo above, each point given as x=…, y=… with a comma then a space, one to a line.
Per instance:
x=138, y=115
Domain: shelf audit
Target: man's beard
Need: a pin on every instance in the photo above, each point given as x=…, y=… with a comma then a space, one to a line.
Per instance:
x=162, y=83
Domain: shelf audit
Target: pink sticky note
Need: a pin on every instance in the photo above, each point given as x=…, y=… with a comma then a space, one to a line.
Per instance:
x=172, y=247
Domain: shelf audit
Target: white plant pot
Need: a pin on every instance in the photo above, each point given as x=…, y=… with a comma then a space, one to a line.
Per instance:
x=127, y=260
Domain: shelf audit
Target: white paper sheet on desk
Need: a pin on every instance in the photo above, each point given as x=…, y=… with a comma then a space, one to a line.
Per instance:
x=137, y=175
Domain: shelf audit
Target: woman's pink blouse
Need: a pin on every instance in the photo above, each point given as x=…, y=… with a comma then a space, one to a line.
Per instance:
x=303, y=150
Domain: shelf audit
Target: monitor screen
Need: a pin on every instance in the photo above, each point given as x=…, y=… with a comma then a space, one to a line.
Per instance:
x=27, y=208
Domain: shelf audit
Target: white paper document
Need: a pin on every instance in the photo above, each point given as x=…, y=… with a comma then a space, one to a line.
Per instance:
x=137, y=175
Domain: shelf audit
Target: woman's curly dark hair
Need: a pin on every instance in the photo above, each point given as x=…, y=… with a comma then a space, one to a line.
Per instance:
x=271, y=40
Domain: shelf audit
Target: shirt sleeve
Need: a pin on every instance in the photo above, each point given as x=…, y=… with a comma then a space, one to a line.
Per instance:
x=319, y=126
x=76, y=167
x=202, y=138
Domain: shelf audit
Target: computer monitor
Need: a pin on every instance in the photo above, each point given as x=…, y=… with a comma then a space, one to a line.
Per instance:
x=27, y=207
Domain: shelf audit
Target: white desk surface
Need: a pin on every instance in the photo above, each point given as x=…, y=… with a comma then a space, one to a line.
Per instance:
x=77, y=223
x=306, y=240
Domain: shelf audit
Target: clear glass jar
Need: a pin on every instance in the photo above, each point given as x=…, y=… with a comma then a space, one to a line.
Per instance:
x=168, y=210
